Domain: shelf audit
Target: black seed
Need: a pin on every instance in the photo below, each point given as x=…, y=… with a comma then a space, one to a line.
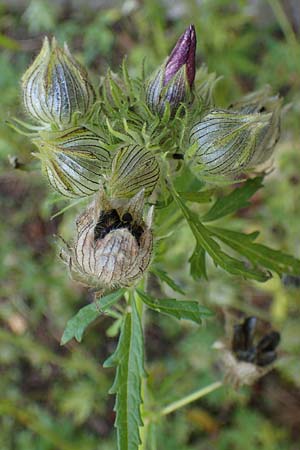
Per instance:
x=269, y=342
x=108, y=221
x=238, y=341
x=266, y=358
x=127, y=218
x=99, y=232
x=246, y=355
x=249, y=326
x=112, y=215
x=243, y=334
x=136, y=231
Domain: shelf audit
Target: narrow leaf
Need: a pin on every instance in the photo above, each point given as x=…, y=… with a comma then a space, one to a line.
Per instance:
x=86, y=315
x=165, y=277
x=197, y=197
x=258, y=254
x=198, y=264
x=128, y=358
x=181, y=309
x=234, y=201
x=220, y=258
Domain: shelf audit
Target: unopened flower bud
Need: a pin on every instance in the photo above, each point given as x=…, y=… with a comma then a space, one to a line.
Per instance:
x=245, y=358
x=74, y=160
x=262, y=101
x=56, y=88
x=113, y=245
x=133, y=168
x=228, y=143
x=174, y=79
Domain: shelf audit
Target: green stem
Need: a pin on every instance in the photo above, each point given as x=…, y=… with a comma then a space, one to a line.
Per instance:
x=190, y=398
x=141, y=312
x=284, y=23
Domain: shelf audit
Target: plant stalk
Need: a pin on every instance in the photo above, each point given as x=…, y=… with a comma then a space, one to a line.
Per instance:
x=143, y=429
x=190, y=398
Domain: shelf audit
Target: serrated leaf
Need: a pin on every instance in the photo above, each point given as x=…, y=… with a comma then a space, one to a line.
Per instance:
x=165, y=277
x=76, y=326
x=198, y=264
x=258, y=254
x=181, y=309
x=220, y=258
x=234, y=201
x=128, y=358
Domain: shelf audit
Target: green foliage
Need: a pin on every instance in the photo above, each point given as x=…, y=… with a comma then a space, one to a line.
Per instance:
x=258, y=254
x=184, y=309
x=36, y=288
x=128, y=359
x=166, y=279
x=86, y=315
x=237, y=199
x=220, y=258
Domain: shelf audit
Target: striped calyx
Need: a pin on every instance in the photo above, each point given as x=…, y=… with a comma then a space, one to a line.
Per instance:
x=74, y=160
x=133, y=168
x=113, y=245
x=228, y=143
x=172, y=82
x=262, y=101
x=56, y=88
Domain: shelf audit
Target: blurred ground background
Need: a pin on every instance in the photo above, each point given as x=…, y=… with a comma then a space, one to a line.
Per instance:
x=55, y=398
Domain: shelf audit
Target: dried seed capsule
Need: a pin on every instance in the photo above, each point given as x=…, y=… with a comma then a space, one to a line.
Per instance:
x=74, y=160
x=174, y=79
x=228, y=143
x=269, y=342
x=133, y=168
x=244, y=360
x=106, y=252
x=56, y=88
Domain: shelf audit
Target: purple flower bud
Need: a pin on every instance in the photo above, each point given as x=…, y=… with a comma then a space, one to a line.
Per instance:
x=183, y=54
x=172, y=82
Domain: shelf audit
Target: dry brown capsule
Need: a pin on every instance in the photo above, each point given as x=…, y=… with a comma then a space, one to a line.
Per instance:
x=245, y=359
x=113, y=245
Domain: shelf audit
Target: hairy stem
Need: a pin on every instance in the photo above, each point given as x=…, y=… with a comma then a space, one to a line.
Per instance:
x=141, y=312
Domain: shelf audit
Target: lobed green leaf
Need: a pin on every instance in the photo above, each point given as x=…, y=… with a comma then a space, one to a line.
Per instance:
x=234, y=201
x=76, y=326
x=165, y=277
x=181, y=309
x=128, y=358
x=258, y=254
x=204, y=240
x=198, y=263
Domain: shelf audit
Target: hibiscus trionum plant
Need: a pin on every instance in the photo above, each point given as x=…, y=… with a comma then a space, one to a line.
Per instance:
x=146, y=154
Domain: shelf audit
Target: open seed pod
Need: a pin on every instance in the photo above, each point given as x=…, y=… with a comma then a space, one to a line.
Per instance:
x=113, y=245
x=245, y=357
